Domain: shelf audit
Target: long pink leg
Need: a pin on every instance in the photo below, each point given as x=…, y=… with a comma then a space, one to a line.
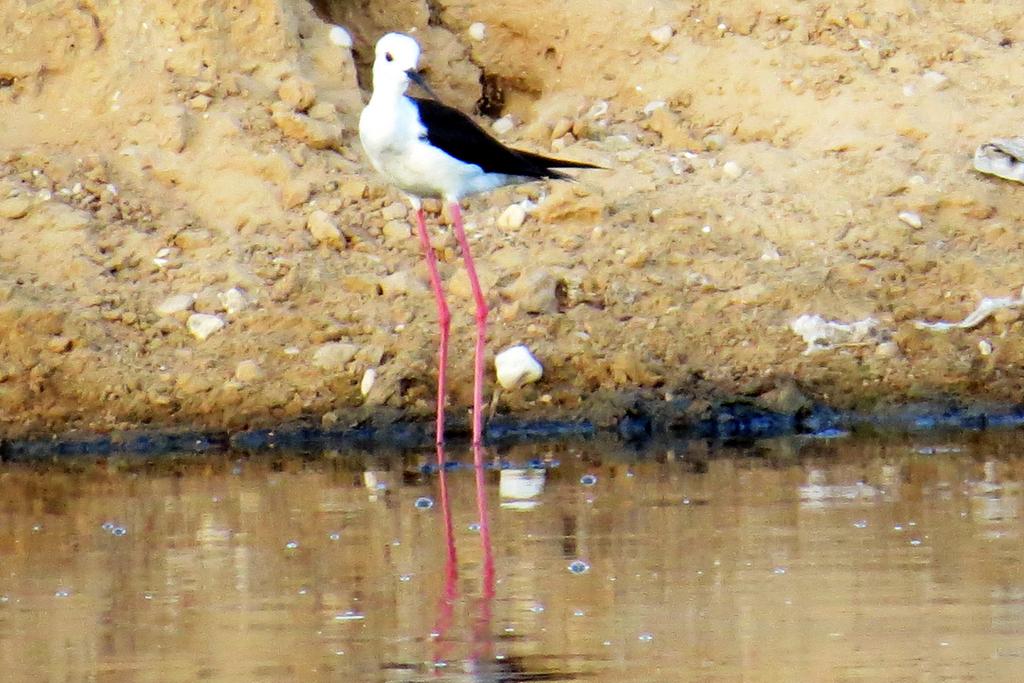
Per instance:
x=444, y=321
x=481, y=327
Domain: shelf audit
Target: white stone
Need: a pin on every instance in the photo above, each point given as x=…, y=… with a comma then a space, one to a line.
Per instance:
x=340, y=37
x=477, y=31
x=175, y=303
x=910, y=218
x=516, y=366
x=202, y=325
x=935, y=80
x=732, y=170
x=662, y=35
x=334, y=355
x=366, y=384
x=233, y=300
x=503, y=125
x=653, y=106
x=512, y=217
x=985, y=347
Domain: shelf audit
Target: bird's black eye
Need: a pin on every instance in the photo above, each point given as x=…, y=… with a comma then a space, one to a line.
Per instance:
x=387, y=56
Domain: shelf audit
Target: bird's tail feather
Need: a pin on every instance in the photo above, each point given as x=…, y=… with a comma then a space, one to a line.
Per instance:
x=548, y=164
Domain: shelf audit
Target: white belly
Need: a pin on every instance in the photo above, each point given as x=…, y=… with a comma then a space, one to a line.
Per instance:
x=391, y=137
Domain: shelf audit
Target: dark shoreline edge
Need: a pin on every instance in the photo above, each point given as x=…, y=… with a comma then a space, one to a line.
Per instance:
x=640, y=423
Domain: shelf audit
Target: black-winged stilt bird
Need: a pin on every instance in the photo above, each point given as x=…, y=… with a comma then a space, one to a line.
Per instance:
x=428, y=149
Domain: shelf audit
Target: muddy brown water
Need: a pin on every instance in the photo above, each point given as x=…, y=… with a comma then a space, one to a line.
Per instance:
x=791, y=560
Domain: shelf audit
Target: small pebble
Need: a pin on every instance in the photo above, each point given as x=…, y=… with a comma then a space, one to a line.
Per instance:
x=366, y=385
x=588, y=479
x=321, y=226
x=396, y=232
x=516, y=366
x=233, y=300
x=985, y=347
x=653, y=106
x=503, y=125
x=935, y=80
x=562, y=126
x=714, y=142
x=297, y=92
x=512, y=217
x=662, y=35
x=477, y=31
x=889, y=349
x=202, y=325
x=334, y=355
x=14, y=208
x=174, y=304
x=340, y=37
x=910, y=218
x=732, y=170
x=248, y=371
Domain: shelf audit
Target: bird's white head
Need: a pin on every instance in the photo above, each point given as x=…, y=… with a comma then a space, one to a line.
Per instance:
x=395, y=59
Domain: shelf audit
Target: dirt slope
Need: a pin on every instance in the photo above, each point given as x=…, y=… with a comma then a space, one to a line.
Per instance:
x=159, y=160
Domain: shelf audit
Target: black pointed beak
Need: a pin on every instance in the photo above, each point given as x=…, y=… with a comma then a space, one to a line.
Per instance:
x=417, y=78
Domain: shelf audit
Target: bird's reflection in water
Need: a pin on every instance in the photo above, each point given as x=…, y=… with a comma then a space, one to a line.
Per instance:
x=482, y=652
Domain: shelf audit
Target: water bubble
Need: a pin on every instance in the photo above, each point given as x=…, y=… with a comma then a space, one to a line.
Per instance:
x=147, y=596
x=37, y=527
x=291, y=545
x=579, y=567
x=405, y=578
x=119, y=531
x=537, y=608
x=62, y=593
x=424, y=503
x=645, y=637
x=686, y=501
x=861, y=524
x=578, y=613
x=915, y=541
x=474, y=527
x=108, y=526
x=779, y=570
x=335, y=536
x=588, y=479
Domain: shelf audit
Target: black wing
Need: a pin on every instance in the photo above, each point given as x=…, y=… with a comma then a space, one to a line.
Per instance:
x=460, y=136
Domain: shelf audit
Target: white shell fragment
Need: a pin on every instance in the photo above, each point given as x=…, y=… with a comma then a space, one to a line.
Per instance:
x=662, y=35
x=1002, y=157
x=202, y=325
x=512, y=217
x=985, y=308
x=340, y=37
x=910, y=218
x=233, y=300
x=477, y=31
x=366, y=385
x=821, y=334
x=516, y=366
